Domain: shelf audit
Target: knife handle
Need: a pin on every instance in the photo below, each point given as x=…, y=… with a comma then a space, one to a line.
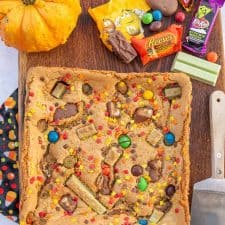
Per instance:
x=217, y=125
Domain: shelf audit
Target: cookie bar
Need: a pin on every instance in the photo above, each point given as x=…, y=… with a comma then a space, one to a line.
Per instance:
x=105, y=148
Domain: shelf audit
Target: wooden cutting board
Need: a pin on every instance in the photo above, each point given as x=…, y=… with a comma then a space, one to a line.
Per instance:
x=85, y=50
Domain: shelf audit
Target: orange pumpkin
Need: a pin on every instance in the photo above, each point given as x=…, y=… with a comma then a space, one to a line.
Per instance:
x=37, y=25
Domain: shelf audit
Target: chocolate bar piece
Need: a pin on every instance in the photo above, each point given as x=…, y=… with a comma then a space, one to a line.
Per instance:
x=86, y=195
x=86, y=131
x=68, y=203
x=196, y=68
x=172, y=92
x=59, y=90
x=154, y=137
x=113, y=111
x=121, y=47
x=142, y=114
x=112, y=156
x=156, y=216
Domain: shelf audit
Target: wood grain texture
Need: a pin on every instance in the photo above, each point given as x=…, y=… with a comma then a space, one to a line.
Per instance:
x=85, y=50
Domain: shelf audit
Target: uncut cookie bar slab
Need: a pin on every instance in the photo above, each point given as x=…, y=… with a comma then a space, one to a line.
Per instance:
x=103, y=148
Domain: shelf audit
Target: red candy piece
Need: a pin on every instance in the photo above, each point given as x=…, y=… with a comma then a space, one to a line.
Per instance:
x=42, y=214
x=180, y=17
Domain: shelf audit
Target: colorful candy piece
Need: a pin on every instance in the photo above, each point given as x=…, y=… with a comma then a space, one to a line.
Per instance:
x=147, y=18
x=137, y=170
x=10, y=198
x=155, y=26
x=170, y=190
x=142, y=184
x=180, y=17
x=169, y=139
x=157, y=15
x=148, y=95
x=11, y=155
x=196, y=68
x=124, y=141
x=143, y=222
x=53, y=136
x=212, y=57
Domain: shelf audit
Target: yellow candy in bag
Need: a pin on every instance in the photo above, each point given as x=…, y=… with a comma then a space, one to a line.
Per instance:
x=121, y=15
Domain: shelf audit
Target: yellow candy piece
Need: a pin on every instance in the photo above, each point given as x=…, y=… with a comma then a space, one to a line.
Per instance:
x=147, y=95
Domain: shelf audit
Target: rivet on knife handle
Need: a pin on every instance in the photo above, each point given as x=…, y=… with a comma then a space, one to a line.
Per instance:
x=217, y=125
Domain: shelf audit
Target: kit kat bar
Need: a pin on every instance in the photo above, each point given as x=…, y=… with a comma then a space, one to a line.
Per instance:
x=85, y=194
x=197, y=68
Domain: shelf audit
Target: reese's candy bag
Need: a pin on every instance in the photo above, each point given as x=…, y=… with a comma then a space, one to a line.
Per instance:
x=159, y=45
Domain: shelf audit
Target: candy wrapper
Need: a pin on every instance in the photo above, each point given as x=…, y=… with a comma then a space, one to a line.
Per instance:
x=159, y=45
x=201, y=26
x=187, y=4
x=118, y=21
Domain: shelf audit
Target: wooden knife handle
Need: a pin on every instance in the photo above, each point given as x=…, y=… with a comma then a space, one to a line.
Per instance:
x=217, y=125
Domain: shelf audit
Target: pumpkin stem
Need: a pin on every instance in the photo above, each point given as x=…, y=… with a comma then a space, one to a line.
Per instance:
x=28, y=2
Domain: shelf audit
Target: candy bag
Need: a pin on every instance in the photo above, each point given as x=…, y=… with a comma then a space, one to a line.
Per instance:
x=159, y=45
x=201, y=26
x=118, y=21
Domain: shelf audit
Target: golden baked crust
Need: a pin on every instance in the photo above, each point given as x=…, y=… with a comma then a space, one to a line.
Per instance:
x=88, y=175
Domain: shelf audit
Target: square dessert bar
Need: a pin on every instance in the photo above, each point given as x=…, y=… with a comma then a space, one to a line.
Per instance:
x=105, y=148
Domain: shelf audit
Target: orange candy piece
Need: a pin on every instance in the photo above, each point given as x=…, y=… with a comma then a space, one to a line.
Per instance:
x=105, y=170
x=212, y=57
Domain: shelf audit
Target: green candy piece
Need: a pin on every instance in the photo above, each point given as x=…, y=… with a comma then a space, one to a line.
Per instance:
x=147, y=18
x=124, y=141
x=142, y=184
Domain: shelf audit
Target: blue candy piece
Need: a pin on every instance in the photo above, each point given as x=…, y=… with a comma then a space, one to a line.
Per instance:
x=157, y=15
x=169, y=139
x=143, y=221
x=53, y=136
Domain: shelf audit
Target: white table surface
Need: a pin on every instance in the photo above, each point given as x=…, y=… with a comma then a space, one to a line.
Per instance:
x=9, y=80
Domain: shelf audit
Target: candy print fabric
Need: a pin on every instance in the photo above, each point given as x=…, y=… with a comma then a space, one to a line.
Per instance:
x=9, y=178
